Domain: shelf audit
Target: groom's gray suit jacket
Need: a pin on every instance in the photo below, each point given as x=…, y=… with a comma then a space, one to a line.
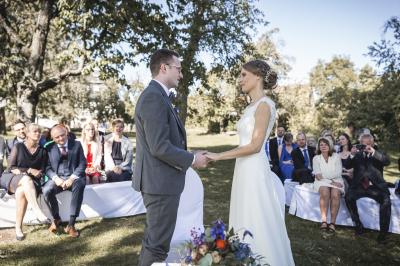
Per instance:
x=161, y=155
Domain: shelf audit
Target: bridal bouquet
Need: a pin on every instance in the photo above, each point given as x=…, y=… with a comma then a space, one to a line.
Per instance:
x=216, y=246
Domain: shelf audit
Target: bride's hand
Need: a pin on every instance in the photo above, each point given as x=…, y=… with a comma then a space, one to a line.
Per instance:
x=212, y=156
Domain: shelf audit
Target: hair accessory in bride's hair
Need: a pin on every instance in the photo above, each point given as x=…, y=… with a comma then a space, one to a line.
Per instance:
x=267, y=75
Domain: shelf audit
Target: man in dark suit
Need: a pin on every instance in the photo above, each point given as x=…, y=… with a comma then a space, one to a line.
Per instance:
x=161, y=156
x=368, y=181
x=19, y=132
x=274, y=144
x=66, y=171
x=303, y=160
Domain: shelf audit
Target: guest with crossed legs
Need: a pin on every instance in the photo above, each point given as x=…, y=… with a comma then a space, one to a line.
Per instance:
x=26, y=165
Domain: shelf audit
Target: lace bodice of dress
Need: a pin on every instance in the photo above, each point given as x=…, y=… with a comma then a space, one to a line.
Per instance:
x=245, y=125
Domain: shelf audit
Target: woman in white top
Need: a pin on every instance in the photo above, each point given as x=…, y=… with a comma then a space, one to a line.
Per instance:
x=328, y=181
x=118, y=154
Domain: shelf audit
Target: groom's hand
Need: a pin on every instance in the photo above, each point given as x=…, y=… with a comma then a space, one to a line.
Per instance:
x=200, y=160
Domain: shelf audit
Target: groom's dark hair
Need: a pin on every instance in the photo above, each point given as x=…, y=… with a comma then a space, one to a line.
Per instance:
x=161, y=56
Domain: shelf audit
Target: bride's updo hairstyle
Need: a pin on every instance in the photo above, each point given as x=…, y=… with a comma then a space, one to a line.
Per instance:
x=262, y=69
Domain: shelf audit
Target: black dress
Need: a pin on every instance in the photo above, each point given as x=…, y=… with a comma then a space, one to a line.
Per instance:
x=21, y=158
x=346, y=164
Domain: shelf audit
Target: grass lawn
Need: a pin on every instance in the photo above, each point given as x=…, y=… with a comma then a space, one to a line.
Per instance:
x=117, y=241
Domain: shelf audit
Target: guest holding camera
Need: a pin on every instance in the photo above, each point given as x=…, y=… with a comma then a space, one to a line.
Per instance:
x=328, y=181
x=118, y=154
x=368, y=181
x=26, y=166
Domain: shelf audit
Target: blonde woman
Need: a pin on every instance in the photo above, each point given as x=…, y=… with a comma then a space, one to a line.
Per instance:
x=92, y=150
x=118, y=154
x=328, y=181
x=26, y=166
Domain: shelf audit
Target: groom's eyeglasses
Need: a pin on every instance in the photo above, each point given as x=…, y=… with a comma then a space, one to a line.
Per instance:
x=177, y=67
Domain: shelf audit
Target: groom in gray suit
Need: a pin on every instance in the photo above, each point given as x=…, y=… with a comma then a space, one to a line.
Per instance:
x=161, y=156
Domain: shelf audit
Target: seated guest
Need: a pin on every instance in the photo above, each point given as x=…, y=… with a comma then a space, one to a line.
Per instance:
x=92, y=150
x=273, y=146
x=344, y=152
x=285, y=158
x=19, y=132
x=311, y=142
x=66, y=170
x=328, y=181
x=102, y=134
x=26, y=166
x=118, y=154
x=351, y=131
x=45, y=137
x=368, y=181
x=303, y=159
x=2, y=152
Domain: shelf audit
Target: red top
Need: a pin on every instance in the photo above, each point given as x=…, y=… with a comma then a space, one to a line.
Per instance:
x=89, y=156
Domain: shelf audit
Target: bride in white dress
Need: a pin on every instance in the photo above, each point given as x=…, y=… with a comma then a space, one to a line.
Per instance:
x=256, y=201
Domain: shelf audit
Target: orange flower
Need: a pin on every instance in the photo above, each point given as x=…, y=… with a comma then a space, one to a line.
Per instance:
x=220, y=244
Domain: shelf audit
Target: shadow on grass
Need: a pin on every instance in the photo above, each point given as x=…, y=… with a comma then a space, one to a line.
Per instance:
x=102, y=242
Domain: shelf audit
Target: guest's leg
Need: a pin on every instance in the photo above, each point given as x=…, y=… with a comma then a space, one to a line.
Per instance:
x=384, y=209
x=126, y=176
x=110, y=176
x=324, y=202
x=160, y=225
x=88, y=179
x=30, y=193
x=335, y=203
x=78, y=188
x=96, y=178
x=22, y=203
x=50, y=190
x=351, y=202
x=385, y=212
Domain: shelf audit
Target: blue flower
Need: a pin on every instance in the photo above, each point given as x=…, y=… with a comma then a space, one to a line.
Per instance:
x=218, y=230
x=242, y=252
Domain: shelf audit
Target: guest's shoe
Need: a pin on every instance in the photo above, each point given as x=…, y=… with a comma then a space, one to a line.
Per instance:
x=19, y=237
x=381, y=238
x=332, y=228
x=54, y=227
x=324, y=226
x=71, y=231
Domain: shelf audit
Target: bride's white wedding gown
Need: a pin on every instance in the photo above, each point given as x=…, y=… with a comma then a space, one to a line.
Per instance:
x=257, y=203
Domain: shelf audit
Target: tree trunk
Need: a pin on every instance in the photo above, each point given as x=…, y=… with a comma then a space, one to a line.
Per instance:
x=27, y=101
x=188, y=58
x=27, y=91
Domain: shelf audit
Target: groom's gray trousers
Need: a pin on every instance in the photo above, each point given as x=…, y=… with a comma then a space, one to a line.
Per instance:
x=160, y=225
